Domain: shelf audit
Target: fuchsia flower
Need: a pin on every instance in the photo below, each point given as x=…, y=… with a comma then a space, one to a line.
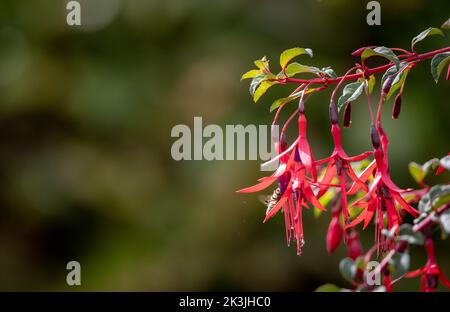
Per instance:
x=431, y=273
x=339, y=164
x=381, y=198
x=294, y=184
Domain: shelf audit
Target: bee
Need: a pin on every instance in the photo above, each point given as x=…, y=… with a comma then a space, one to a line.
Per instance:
x=271, y=200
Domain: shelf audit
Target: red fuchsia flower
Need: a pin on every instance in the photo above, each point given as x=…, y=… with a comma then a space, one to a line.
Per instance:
x=381, y=198
x=335, y=230
x=431, y=273
x=294, y=184
x=354, y=247
x=339, y=164
x=304, y=150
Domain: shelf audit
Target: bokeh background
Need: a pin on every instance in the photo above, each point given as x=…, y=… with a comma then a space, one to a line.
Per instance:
x=86, y=114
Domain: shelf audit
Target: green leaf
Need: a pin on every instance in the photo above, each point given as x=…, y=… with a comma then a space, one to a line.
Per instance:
x=416, y=172
x=347, y=268
x=289, y=54
x=438, y=63
x=263, y=64
x=437, y=196
x=351, y=92
x=399, y=263
x=446, y=24
x=406, y=233
x=328, y=71
x=328, y=288
x=444, y=220
x=381, y=51
x=445, y=162
x=371, y=83
x=262, y=88
x=279, y=102
x=256, y=81
x=424, y=34
x=398, y=81
x=251, y=74
x=296, y=68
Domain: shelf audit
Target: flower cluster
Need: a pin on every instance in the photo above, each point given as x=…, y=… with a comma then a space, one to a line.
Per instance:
x=361, y=187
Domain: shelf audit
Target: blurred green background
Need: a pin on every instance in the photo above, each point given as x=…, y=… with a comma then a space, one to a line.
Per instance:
x=86, y=114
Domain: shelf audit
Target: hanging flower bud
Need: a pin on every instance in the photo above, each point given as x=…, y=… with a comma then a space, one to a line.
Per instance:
x=387, y=85
x=348, y=115
x=397, y=106
x=353, y=244
x=333, y=113
x=301, y=105
x=375, y=136
x=334, y=235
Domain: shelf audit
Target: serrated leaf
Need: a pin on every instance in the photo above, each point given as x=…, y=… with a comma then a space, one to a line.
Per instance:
x=438, y=63
x=296, y=68
x=328, y=288
x=446, y=24
x=424, y=34
x=350, y=93
x=406, y=233
x=416, y=172
x=347, y=269
x=383, y=52
x=289, y=54
x=445, y=162
x=251, y=74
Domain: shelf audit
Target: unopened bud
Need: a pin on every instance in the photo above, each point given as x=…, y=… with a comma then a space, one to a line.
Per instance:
x=334, y=118
x=301, y=105
x=387, y=85
x=354, y=247
x=397, y=106
x=348, y=115
x=334, y=234
x=375, y=136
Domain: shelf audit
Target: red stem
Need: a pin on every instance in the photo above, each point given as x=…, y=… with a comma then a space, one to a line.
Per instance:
x=370, y=71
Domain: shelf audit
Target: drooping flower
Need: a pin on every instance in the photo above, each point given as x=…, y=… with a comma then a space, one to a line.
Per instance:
x=339, y=165
x=431, y=273
x=294, y=184
x=381, y=199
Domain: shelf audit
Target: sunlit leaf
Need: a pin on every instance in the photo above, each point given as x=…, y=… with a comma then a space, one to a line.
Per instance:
x=251, y=74
x=262, y=88
x=328, y=288
x=289, y=54
x=424, y=34
x=296, y=68
x=262, y=64
x=416, y=172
